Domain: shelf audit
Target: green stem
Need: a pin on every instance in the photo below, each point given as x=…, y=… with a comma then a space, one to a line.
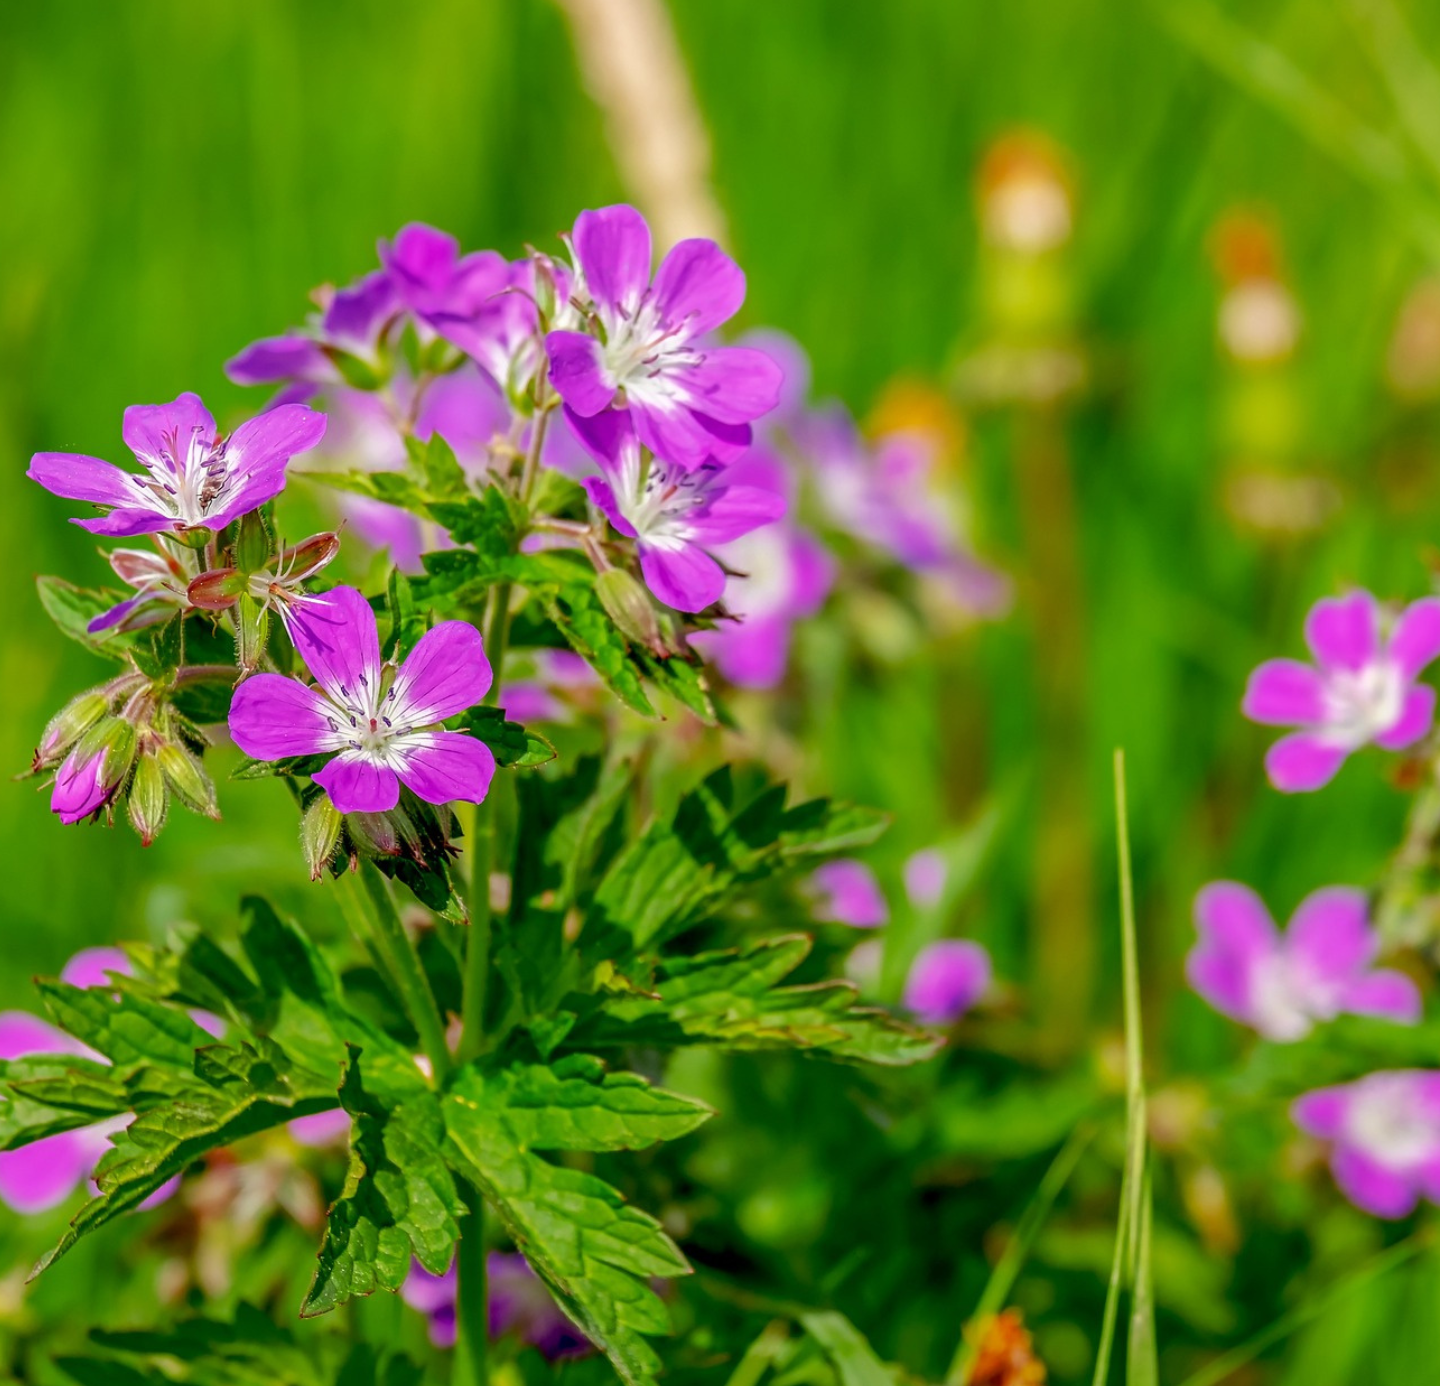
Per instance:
x=370, y=910
x=472, y=1314
x=477, y=948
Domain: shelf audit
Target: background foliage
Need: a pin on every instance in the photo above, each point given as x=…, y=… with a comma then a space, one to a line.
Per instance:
x=177, y=176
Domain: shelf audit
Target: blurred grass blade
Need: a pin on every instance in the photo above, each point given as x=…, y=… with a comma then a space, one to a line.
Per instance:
x=1270, y=76
x=1411, y=76
x=847, y=1348
x=1131, y=1266
x=761, y=1355
x=1017, y=1249
x=1229, y=1363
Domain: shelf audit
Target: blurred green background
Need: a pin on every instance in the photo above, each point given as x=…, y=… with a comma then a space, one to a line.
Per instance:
x=174, y=179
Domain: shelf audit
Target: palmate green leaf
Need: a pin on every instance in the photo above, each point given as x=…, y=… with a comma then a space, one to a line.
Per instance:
x=399, y=1199
x=394, y=488
x=675, y=873
x=490, y=523
x=732, y=999
x=514, y=747
x=585, y=624
x=435, y=461
x=594, y=1251
x=43, y=1094
x=128, y=1029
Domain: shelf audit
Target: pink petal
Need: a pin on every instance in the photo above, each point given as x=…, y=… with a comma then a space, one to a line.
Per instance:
x=752, y=654
x=151, y=431
x=1303, y=761
x=77, y=477
x=1416, y=716
x=578, y=373
x=357, y=785
x=733, y=384
x=129, y=520
x=1322, y=1113
x=603, y=495
x=684, y=577
x=946, y=979
x=337, y=638
x=447, y=766
x=1390, y=995
x=736, y=511
x=1236, y=935
x=609, y=437
x=274, y=437
x=850, y=894
x=677, y=433
x=22, y=1034
x=90, y=967
x=1343, y=632
x=1371, y=1186
x=1415, y=641
x=323, y=1128
x=272, y=717
x=612, y=247
x=1329, y=935
x=445, y=673
x=1285, y=693
x=45, y=1173
x=699, y=281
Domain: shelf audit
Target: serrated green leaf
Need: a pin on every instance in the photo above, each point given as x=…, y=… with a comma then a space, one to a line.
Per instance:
x=43, y=1094
x=399, y=1199
x=72, y=609
x=407, y=621
x=513, y=746
x=159, y=653
x=393, y=488
x=128, y=1029
x=490, y=523
x=585, y=624
x=594, y=1251
x=435, y=461
x=731, y=999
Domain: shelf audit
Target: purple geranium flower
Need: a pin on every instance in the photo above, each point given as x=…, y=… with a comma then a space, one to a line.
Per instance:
x=384, y=729
x=86, y=782
x=159, y=582
x=926, y=874
x=193, y=478
x=846, y=892
x=1385, y=1135
x=673, y=514
x=430, y=276
x=518, y=1304
x=946, y=979
x=1281, y=985
x=690, y=401
x=780, y=574
x=1364, y=689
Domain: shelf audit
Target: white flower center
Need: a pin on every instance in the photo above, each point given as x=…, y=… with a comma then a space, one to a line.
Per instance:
x=1385, y=1122
x=184, y=484
x=769, y=574
x=641, y=351
x=1361, y=704
x=1279, y=1002
x=379, y=722
x=657, y=499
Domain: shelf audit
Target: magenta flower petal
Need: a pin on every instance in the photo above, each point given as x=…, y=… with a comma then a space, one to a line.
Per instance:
x=1343, y=632
x=77, y=477
x=1329, y=935
x=337, y=638
x=273, y=717
x=1236, y=937
x=41, y=1175
x=264, y=444
x=445, y=673
x=1416, y=717
x=357, y=314
x=274, y=359
x=90, y=967
x=699, y=281
x=357, y=785
x=1372, y=1186
x=1303, y=761
x=946, y=979
x=441, y=767
x=22, y=1034
x=162, y=434
x=736, y=510
x=1415, y=640
x=734, y=384
x=128, y=521
x=753, y=654
x=80, y=787
x=1285, y=693
x=682, y=576
x=1384, y=993
x=612, y=246
x=672, y=430
x=1321, y=1113
x=321, y=1128
x=603, y=494
x=578, y=372
x=849, y=894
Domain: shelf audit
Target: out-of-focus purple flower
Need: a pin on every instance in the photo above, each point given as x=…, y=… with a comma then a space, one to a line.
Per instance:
x=889, y=495
x=193, y=478
x=538, y=698
x=1364, y=688
x=87, y=781
x=846, y=892
x=518, y=1305
x=673, y=514
x=925, y=877
x=430, y=276
x=1281, y=985
x=159, y=582
x=321, y=1128
x=946, y=979
x=779, y=574
x=91, y=967
x=385, y=731
x=1384, y=1132
x=690, y=401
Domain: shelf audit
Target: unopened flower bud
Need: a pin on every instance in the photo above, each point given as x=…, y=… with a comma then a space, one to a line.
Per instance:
x=187, y=778
x=251, y=631
x=319, y=835
x=374, y=834
x=149, y=799
x=546, y=298
x=630, y=607
x=253, y=549
x=68, y=725
x=217, y=589
x=196, y=538
x=94, y=771
x=305, y=559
